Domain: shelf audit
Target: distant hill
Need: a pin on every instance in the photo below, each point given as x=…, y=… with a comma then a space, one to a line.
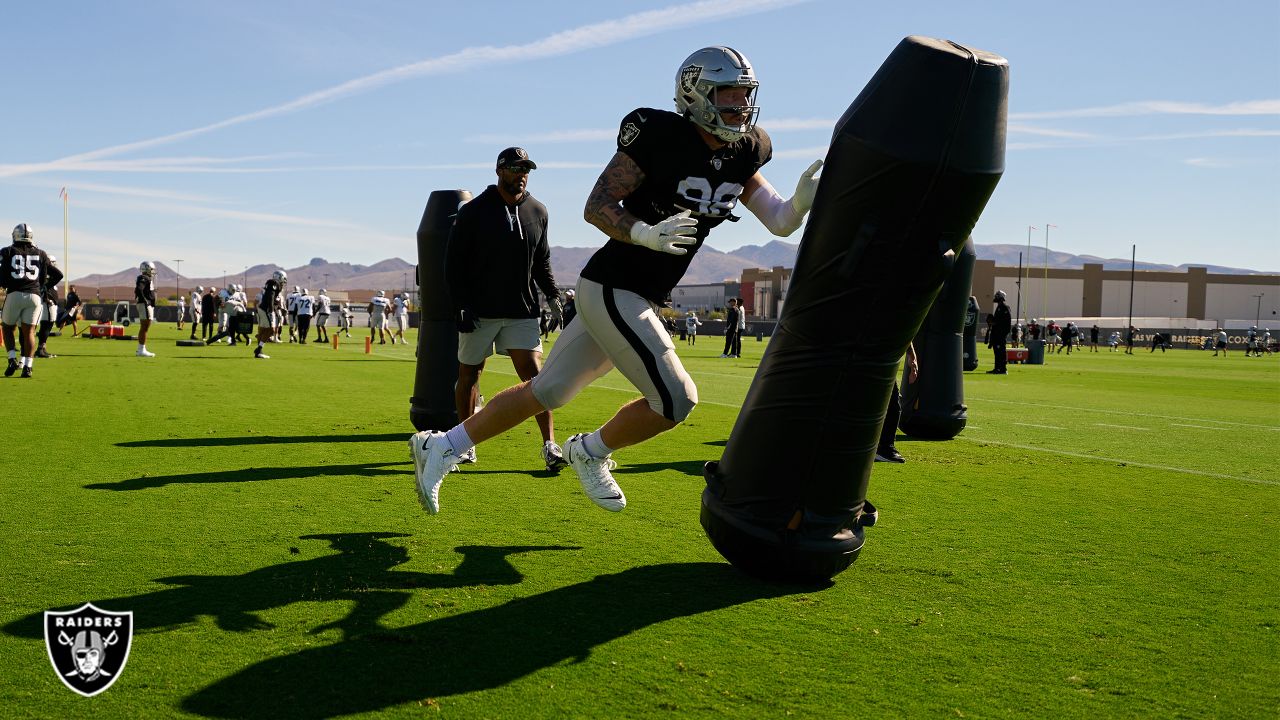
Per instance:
x=708, y=266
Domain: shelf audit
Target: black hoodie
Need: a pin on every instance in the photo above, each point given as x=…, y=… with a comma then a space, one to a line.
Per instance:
x=498, y=257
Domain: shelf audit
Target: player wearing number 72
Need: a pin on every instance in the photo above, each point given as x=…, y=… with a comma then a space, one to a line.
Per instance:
x=674, y=177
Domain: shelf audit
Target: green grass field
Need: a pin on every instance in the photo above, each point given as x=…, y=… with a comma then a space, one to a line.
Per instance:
x=1102, y=541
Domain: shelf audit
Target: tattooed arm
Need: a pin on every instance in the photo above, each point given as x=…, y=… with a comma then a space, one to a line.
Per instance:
x=604, y=206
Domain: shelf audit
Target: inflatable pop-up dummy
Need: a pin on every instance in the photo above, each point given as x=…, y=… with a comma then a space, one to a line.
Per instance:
x=432, y=406
x=933, y=406
x=912, y=163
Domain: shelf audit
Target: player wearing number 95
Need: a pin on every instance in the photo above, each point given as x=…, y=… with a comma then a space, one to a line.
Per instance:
x=674, y=177
x=24, y=269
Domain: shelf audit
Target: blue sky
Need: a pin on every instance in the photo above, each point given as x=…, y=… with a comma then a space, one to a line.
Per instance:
x=229, y=133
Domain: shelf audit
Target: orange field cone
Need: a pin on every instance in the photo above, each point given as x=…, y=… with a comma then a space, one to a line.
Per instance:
x=368, y=345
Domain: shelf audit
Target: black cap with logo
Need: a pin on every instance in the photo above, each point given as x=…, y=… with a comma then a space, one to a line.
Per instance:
x=515, y=157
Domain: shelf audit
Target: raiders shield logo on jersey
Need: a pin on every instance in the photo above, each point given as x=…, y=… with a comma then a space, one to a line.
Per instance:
x=689, y=77
x=88, y=646
x=628, y=134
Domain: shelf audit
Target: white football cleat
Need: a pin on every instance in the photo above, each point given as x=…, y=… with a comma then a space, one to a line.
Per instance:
x=553, y=456
x=433, y=458
x=468, y=457
x=593, y=475
x=143, y=352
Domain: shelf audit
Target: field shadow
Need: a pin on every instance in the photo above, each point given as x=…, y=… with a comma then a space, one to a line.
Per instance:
x=263, y=440
x=361, y=572
x=688, y=467
x=479, y=650
x=254, y=475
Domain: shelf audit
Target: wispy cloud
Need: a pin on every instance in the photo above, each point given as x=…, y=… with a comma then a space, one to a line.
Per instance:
x=1158, y=107
x=1049, y=132
x=609, y=134
x=1243, y=132
x=566, y=42
x=1211, y=162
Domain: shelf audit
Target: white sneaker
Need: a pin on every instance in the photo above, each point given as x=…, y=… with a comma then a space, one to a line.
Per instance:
x=433, y=458
x=593, y=475
x=468, y=457
x=553, y=456
x=262, y=356
x=143, y=352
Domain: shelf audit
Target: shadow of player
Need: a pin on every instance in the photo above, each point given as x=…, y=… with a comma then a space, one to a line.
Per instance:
x=256, y=475
x=478, y=650
x=360, y=572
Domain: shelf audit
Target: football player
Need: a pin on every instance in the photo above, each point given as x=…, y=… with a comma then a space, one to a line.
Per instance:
x=268, y=301
x=306, y=308
x=49, y=296
x=291, y=304
x=24, y=269
x=322, y=316
x=400, y=308
x=379, y=308
x=144, y=294
x=196, y=302
x=674, y=177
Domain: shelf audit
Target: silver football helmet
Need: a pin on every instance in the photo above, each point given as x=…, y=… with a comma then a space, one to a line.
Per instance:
x=306, y=291
x=382, y=293
x=999, y=295
x=23, y=233
x=700, y=78
x=147, y=268
x=200, y=289
x=279, y=276
x=54, y=261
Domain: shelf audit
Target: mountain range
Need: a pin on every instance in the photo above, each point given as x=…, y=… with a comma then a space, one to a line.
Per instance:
x=708, y=266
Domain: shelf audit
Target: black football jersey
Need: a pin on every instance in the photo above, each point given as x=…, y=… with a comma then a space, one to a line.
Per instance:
x=680, y=173
x=24, y=268
x=270, y=294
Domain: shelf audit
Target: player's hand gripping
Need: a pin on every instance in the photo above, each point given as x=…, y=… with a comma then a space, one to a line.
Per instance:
x=806, y=188
x=669, y=236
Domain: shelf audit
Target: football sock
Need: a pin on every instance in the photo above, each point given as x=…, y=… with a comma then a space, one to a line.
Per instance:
x=458, y=439
x=595, y=446
x=13, y=354
x=28, y=362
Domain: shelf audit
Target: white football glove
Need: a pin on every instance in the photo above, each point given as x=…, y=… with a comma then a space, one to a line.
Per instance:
x=669, y=236
x=806, y=189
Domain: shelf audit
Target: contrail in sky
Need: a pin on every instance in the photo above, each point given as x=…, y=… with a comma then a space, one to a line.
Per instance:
x=565, y=42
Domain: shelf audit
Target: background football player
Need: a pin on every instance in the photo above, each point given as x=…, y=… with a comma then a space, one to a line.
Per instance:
x=674, y=177
x=268, y=318
x=144, y=294
x=24, y=268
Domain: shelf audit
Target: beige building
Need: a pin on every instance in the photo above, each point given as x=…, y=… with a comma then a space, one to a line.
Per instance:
x=1091, y=292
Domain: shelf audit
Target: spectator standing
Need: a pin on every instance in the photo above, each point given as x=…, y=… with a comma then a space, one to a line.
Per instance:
x=498, y=259
x=72, y=313
x=742, y=328
x=1221, y=343
x=1093, y=337
x=570, y=307
x=208, y=314
x=731, y=317
x=1000, y=322
x=1129, y=338
x=886, y=450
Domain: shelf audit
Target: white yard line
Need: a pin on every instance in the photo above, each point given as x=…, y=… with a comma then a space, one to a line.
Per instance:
x=1134, y=463
x=1199, y=427
x=1122, y=427
x=1046, y=427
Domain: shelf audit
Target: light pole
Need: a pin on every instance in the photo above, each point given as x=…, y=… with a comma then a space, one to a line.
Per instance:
x=326, y=281
x=1044, y=292
x=224, y=278
x=246, y=275
x=1257, y=316
x=404, y=282
x=177, y=281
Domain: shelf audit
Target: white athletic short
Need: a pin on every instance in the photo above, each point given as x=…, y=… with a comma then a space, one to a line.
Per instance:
x=145, y=311
x=502, y=334
x=402, y=322
x=266, y=319
x=22, y=308
x=322, y=319
x=616, y=328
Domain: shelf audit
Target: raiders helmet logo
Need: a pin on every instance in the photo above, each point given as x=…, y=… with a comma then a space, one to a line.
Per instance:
x=628, y=134
x=88, y=646
x=689, y=78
